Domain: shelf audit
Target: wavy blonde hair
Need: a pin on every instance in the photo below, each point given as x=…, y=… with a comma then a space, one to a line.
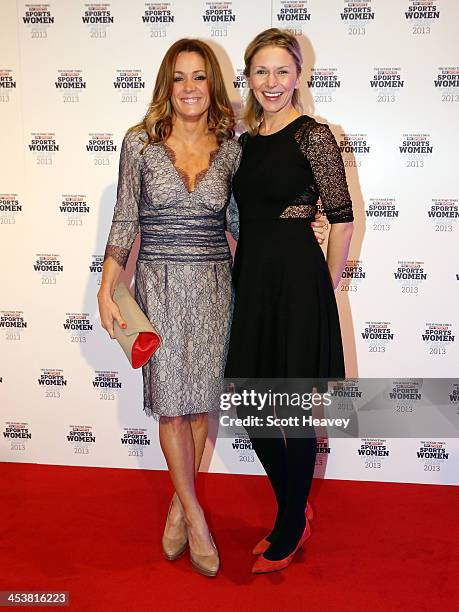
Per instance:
x=273, y=37
x=158, y=118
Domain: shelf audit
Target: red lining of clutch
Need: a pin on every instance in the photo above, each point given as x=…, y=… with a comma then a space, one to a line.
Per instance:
x=143, y=348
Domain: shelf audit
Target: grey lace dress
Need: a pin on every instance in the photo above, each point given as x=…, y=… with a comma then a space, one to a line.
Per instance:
x=183, y=272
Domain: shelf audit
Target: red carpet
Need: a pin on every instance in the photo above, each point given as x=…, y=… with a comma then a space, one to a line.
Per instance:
x=96, y=533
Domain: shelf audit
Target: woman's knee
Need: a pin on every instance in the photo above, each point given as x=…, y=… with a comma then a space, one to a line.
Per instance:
x=199, y=419
x=176, y=424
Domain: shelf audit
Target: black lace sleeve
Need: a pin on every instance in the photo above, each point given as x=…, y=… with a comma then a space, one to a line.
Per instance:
x=125, y=223
x=322, y=151
x=243, y=139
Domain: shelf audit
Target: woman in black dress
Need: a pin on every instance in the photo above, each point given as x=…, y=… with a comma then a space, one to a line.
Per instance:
x=285, y=321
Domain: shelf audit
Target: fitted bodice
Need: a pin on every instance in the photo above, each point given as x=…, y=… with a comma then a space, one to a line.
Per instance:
x=175, y=224
x=284, y=174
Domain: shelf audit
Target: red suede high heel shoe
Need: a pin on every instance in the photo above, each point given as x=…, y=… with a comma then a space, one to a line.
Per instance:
x=263, y=544
x=265, y=566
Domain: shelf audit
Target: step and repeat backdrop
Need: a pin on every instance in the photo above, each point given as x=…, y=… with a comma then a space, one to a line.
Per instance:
x=75, y=75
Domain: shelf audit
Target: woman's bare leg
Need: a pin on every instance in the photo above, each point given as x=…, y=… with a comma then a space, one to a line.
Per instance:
x=178, y=445
x=199, y=429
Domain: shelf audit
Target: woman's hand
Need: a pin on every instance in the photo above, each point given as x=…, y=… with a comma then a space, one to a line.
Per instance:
x=109, y=313
x=108, y=310
x=319, y=227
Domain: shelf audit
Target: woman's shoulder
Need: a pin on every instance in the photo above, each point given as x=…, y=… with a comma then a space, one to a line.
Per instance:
x=309, y=130
x=232, y=145
x=305, y=124
x=135, y=140
x=232, y=150
x=242, y=139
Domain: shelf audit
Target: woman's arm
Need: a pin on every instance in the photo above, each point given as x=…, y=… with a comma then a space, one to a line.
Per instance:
x=124, y=229
x=108, y=310
x=232, y=218
x=327, y=165
x=338, y=249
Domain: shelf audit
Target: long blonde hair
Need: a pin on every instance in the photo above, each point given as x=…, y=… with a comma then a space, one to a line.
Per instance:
x=158, y=118
x=273, y=37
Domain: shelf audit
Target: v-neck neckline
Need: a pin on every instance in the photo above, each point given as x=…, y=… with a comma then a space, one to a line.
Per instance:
x=184, y=176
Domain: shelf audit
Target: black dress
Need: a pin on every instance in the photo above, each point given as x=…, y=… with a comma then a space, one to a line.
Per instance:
x=285, y=320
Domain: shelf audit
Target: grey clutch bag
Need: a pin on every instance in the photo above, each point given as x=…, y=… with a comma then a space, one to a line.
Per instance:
x=139, y=340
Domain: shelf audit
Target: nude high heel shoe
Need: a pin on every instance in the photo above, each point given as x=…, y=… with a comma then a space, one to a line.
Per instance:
x=173, y=548
x=207, y=565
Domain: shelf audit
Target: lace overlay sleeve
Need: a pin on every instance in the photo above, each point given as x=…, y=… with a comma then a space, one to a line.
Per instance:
x=322, y=152
x=232, y=212
x=232, y=218
x=125, y=223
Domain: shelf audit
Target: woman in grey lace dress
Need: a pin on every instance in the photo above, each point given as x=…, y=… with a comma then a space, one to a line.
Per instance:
x=174, y=186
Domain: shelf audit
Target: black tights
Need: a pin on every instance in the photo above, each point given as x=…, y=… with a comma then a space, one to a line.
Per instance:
x=289, y=464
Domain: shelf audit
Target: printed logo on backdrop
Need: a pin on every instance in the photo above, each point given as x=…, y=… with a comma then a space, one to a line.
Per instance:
x=322, y=451
x=158, y=17
x=353, y=275
x=97, y=18
x=10, y=208
x=382, y=213
x=454, y=396
x=49, y=267
x=324, y=80
x=356, y=15
x=81, y=438
x=240, y=83
x=378, y=336
x=387, y=82
x=345, y=394
x=421, y=14
x=410, y=275
x=242, y=448
x=126, y=81
x=52, y=382
x=438, y=337
x=443, y=214
x=43, y=147
x=18, y=434
x=69, y=83
x=78, y=326
x=7, y=84
x=38, y=18
x=447, y=81
x=74, y=209
x=95, y=267
x=374, y=452
x=354, y=149
x=415, y=149
x=292, y=15
x=432, y=455
x=220, y=17
x=101, y=147
x=107, y=384
x=135, y=439
x=405, y=396
x=12, y=322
